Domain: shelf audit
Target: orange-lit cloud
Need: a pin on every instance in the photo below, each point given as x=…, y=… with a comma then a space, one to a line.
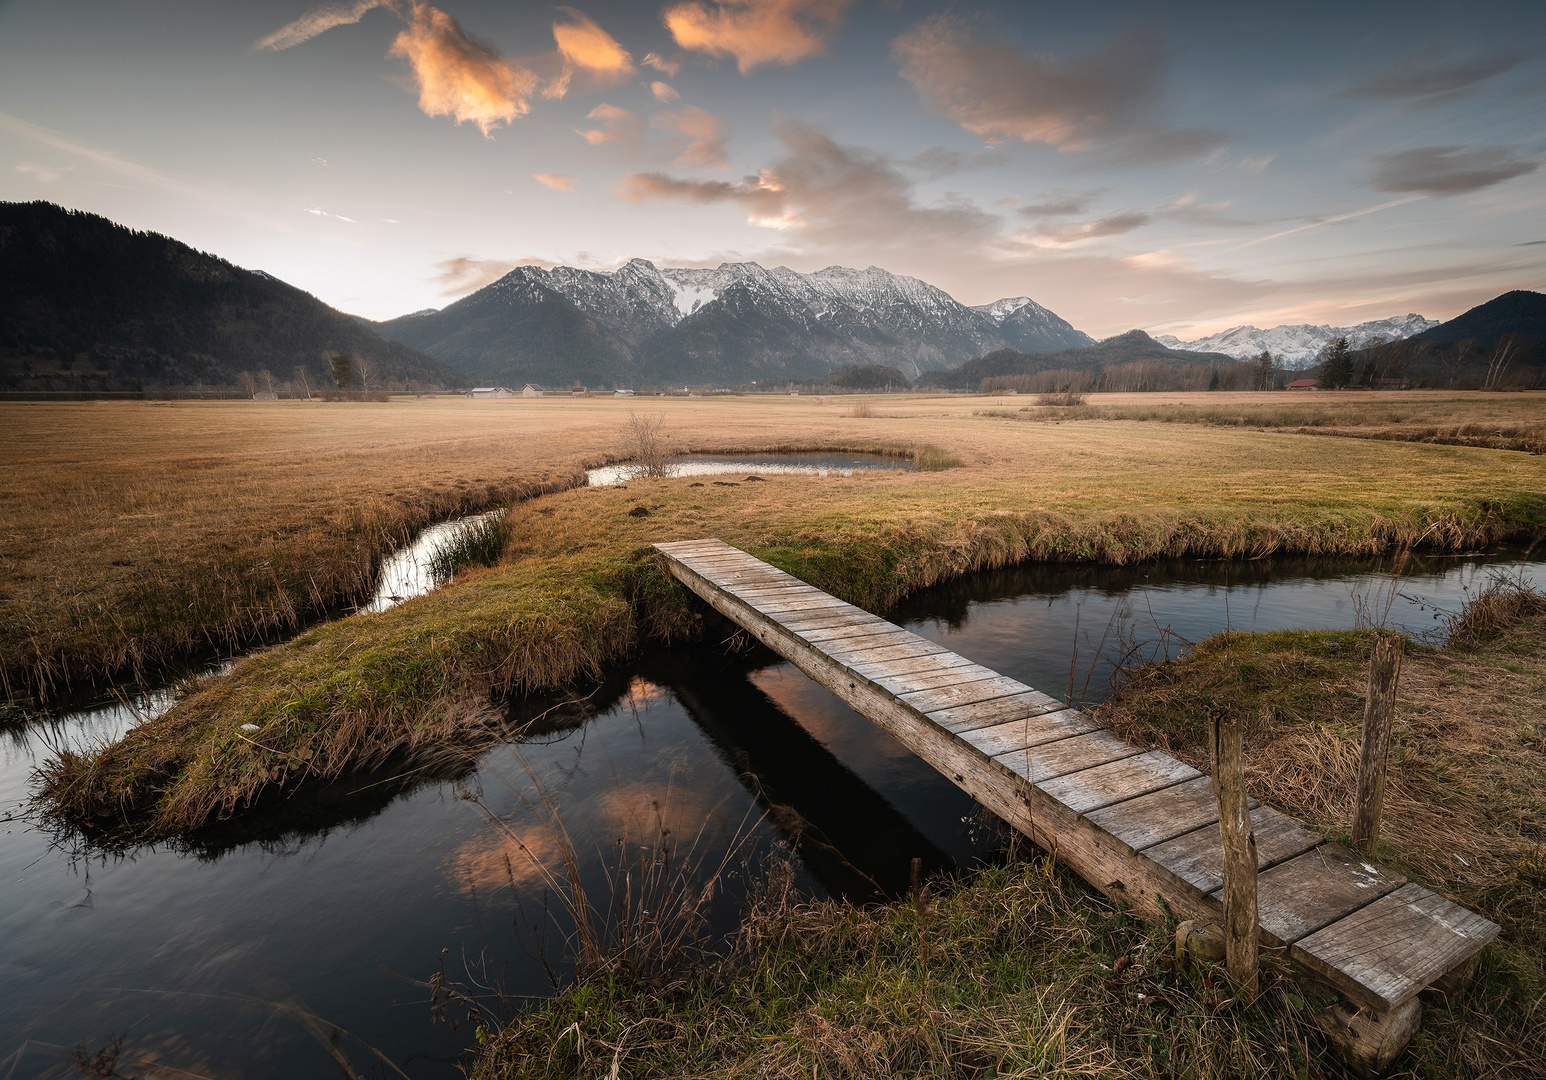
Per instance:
x=588, y=49
x=755, y=32
x=556, y=181
x=317, y=21
x=459, y=77
x=660, y=63
x=617, y=125
x=664, y=92
x=707, y=135
x=464, y=275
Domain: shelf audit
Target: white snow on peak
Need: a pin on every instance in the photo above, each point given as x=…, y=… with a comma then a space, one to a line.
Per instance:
x=1301, y=342
x=1000, y=310
x=691, y=295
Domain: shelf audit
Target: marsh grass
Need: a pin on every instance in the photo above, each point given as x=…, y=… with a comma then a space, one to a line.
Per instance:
x=1463, y=811
x=481, y=542
x=861, y=410
x=1064, y=399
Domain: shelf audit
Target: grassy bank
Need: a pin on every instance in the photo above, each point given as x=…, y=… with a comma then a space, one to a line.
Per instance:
x=578, y=587
x=1498, y=421
x=1021, y=970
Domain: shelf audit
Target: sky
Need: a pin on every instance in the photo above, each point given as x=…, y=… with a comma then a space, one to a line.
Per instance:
x=1179, y=168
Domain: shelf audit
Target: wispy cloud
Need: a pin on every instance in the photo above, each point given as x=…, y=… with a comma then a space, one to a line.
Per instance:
x=756, y=32
x=588, y=49
x=660, y=63
x=1101, y=100
x=1073, y=232
x=105, y=158
x=557, y=181
x=1060, y=202
x=705, y=132
x=664, y=92
x=317, y=21
x=1333, y=220
x=317, y=211
x=461, y=275
x=1428, y=77
x=618, y=125
x=1448, y=170
x=43, y=173
x=459, y=77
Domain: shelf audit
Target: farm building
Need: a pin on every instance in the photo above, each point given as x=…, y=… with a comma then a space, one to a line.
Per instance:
x=491, y=391
x=531, y=390
x=1304, y=384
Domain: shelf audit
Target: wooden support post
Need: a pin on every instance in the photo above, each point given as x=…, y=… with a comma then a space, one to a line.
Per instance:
x=1378, y=716
x=1240, y=920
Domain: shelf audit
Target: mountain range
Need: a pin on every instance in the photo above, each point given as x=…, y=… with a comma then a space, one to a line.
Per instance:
x=86, y=304
x=736, y=323
x=1298, y=343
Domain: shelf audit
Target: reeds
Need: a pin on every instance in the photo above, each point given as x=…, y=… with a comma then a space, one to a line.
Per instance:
x=480, y=542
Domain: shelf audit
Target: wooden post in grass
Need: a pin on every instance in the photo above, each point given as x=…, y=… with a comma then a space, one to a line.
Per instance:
x=1378, y=716
x=1240, y=929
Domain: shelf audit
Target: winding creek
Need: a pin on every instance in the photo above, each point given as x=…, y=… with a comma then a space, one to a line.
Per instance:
x=236, y=953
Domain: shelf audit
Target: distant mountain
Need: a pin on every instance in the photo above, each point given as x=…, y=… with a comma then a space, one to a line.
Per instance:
x=1129, y=348
x=730, y=325
x=1517, y=312
x=88, y=304
x=1301, y=342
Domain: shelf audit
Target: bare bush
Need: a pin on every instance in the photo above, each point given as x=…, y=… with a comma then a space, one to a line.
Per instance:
x=1067, y=397
x=862, y=410
x=645, y=445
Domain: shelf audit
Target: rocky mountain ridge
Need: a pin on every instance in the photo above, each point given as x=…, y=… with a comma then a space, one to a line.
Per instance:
x=1299, y=343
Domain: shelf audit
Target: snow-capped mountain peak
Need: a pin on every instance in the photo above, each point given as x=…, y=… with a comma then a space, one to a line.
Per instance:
x=1301, y=342
x=1000, y=310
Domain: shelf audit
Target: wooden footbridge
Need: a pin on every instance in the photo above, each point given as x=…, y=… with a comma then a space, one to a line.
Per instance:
x=1139, y=825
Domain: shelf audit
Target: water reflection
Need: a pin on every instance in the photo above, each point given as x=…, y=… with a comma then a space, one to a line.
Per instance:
x=790, y=464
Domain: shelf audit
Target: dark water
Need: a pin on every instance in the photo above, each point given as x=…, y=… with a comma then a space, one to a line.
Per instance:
x=233, y=954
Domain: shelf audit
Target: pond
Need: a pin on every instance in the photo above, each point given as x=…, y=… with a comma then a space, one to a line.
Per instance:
x=725, y=464
x=236, y=952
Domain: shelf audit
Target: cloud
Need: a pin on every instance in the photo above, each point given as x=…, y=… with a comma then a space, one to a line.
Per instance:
x=1190, y=209
x=1448, y=170
x=1426, y=78
x=1073, y=232
x=556, y=181
x=586, y=48
x=1101, y=100
x=462, y=275
x=706, y=149
x=1255, y=164
x=43, y=173
x=459, y=77
x=1333, y=220
x=617, y=125
x=319, y=212
x=317, y=21
x=756, y=32
x=664, y=92
x=1060, y=202
x=832, y=198
x=660, y=63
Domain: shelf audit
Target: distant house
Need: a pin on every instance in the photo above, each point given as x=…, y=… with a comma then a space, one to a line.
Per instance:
x=1304, y=384
x=531, y=390
x=622, y=393
x=1392, y=384
x=579, y=390
x=794, y=393
x=265, y=395
x=491, y=391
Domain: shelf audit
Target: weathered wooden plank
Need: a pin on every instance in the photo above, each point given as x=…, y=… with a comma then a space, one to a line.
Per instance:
x=912, y=682
x=917, y=664
x=820, y=602
x=1384, y=954
x=893, y=652
x=847, y=632
x=1164, y=815
x=757, y=591
x=1029, y=731
x=1197, y=858
x=861, y=640
x=1118, y=781
x=963, y=718
x=1297, y=898
x=972, y=693
x=799, y=623
x=1070, y=755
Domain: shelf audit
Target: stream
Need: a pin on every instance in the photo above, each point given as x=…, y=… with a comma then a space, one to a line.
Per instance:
x=238, y=951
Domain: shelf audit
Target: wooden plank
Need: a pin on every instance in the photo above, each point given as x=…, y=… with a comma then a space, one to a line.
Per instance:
x=1384, y=954
x=679, y=548
x=1126, y=779
x=1030, y=731
x=755, y=591
x=819, y=602
x=963, y=718
x=1197, y=858
x=1070, y=755
x=815, y=621
x=1152, y=819
x=895, y=652
x=1297, y=898
x=847, y=632
x=860, y=639
x=917, y=664
x=912, y=682
x=971, y=693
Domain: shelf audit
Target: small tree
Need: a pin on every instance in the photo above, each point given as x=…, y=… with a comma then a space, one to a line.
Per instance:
x=302, y=383
x=366, y=371
x=1505, y=351
x=343, y=371
x=267, y=381
x=1261, y=371
x=1336, y=362
x=1213, y=383
x=245, y=383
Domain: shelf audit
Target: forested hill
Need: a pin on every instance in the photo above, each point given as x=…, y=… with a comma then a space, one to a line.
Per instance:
x=1130, y=348
x=88, y=304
